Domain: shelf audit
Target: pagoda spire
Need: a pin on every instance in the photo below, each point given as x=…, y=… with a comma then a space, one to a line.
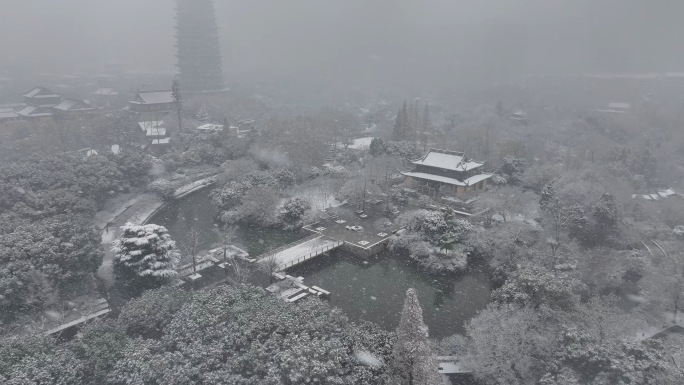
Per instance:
x=199, y=52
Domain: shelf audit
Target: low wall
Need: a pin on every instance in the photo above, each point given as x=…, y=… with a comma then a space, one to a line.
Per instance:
x=365, y=252
x=185, y=191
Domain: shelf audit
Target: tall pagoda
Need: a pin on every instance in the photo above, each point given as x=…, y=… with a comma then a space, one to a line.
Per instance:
x=199, y=53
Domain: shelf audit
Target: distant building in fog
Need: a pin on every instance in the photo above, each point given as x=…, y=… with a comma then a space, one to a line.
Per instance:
x=616, y=107
x=199, y=53
x=153, y=101
x=42, y=97
x=41, y=102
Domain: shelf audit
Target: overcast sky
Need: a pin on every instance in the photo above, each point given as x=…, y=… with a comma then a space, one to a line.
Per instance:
x=325, y=36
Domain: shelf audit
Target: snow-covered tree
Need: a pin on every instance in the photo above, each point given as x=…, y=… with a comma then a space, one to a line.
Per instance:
x=548, y=194
x=145, y=255
x=606, y=212
x=163, y=187
x=433, y=239
x=513, y=165
x=203, y=115
x=294, y=208
x=413, y=362
x=509, y=344
x=403, y=129
x=536, y=286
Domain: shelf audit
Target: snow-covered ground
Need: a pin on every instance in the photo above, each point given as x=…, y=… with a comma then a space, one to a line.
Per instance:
x=358, y=143
x=320, y=195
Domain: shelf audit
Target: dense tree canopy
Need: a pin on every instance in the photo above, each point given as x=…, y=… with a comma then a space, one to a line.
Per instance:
x=47, y=242
x=226, y=335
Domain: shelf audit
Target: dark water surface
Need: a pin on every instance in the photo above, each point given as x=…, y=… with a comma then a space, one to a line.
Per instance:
x=370, y=289
x=373, y=289
x=196, y=211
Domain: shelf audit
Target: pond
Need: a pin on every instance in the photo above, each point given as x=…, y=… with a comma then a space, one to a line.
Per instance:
x=370, y=289
x=373, y=289
x=197, y=212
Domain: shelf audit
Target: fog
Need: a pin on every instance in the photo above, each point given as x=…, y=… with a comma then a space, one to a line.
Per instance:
x=383, y=40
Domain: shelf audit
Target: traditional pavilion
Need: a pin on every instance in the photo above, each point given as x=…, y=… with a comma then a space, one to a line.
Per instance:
x=448, y=173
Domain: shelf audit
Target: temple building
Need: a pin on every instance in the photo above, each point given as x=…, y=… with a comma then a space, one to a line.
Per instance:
x=442, y=172
x=40, y=102
x=153, y=101
x=42, y=97
x=199, y=52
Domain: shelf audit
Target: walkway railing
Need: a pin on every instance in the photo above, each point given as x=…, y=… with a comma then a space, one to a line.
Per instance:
x=288, y=246
x=311, y=255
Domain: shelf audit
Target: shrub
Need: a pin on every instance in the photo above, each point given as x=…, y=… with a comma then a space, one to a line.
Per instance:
x=162, y=187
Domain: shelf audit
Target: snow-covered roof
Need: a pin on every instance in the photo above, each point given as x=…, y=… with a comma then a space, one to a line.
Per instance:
x=154, y=97
x=447, y=160
x=477, y=178
x=616, y=107
x=155, y=131
x=144, y=126
x=443, y=179
x=105, y=92
x=73, y=105
x=34, y=111
x=360, y=143
x=40, y=92
x=210, y=127
x=619, y=106
x=8, y=114
x=12, y=106
x=116, y=149
x=435, y=178
x=161, y=141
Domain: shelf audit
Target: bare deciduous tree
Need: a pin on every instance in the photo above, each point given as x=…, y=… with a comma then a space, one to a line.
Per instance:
x=191, y=247
x=270, y=265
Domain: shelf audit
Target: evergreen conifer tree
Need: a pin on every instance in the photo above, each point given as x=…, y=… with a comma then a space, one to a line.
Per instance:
x=145, y=256
x=548, y=194
x=397, y=134
x=402, y=125
x=413, y=362
x=427, y=124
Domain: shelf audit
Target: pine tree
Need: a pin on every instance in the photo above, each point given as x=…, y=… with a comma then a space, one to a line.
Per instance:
x=398, y=126
x=606, y=212
x=145, y=256
x=427, y=124
x=413, y=363
x=407, y=128
x=402, y=125
x=425, y=127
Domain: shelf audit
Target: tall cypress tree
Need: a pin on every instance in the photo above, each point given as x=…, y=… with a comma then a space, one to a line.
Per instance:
x=397, y=134
x=407, y=128
x=427, y=124
x=413, y=363
x=402, y=125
